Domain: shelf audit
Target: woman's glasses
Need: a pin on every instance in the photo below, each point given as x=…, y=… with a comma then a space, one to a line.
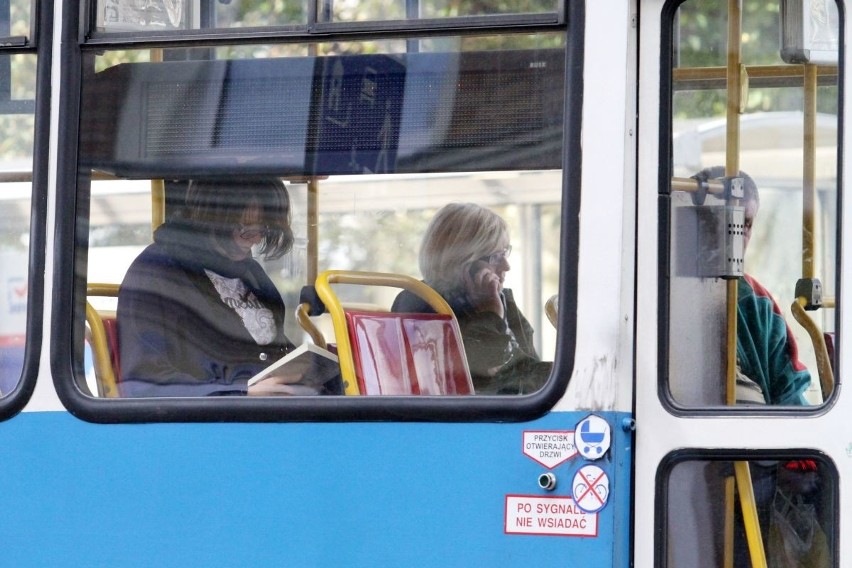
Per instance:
x=496, y=258
x=249, y=232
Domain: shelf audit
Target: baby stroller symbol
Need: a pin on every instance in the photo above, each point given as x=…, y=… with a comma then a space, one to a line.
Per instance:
x=592, y=437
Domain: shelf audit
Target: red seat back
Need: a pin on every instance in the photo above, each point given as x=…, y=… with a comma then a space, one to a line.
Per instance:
x=401, y=354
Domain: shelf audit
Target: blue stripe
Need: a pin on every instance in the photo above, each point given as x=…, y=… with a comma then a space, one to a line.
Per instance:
x=352, y=494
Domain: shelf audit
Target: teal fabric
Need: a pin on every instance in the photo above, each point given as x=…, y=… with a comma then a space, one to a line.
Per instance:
x=766, y=349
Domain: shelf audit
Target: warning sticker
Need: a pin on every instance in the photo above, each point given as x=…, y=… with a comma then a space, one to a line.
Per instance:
x=548, y=516
x=592, y=437
x=591, y=488
x=549, y=447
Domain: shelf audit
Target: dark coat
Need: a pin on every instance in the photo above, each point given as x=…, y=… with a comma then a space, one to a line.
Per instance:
x=176, y=335
x=500, y=351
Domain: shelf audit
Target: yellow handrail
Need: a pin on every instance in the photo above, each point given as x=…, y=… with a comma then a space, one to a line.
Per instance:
x=303, y=316
x=714, y=186
x=102, y=289
x=750, y=520
x=100, y=353
x=100, y=345
x=826, y=374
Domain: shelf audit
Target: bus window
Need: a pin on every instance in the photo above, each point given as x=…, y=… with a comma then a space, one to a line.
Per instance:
x=158, y=15
x=751, y=198
x=17, y=95
x=788, y=515
x=371, y=139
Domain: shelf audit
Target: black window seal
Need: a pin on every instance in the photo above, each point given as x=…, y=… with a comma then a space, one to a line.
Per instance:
x=21, y=43
x=14, y=45
x=14, y=402
x=311, y=409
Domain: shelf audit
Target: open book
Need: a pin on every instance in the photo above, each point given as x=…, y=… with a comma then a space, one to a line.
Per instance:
x=307, y=365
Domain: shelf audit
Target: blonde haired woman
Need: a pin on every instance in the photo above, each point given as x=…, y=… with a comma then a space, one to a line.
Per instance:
x=464, y=255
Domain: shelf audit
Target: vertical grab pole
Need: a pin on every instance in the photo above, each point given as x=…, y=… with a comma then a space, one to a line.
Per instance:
x=826, y=373
x=158, y=187
x=324, y=15
x=750, y=520
x=809, y=172
x=158, y=203
x=732, y=168
x=313, y=230
x=732, y=155
x=735, y=106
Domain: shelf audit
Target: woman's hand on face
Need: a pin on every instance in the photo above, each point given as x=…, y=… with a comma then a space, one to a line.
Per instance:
x=483, y=286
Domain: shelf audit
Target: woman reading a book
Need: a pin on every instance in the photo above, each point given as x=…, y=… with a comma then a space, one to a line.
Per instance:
x=198, y=316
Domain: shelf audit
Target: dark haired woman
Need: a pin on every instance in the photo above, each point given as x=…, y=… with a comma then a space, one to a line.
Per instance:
x=198, y=316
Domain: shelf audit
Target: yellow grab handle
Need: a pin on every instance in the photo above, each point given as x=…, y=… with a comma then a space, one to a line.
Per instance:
x=826, y=375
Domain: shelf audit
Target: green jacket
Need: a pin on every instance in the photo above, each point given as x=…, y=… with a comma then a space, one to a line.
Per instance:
x=766, y=349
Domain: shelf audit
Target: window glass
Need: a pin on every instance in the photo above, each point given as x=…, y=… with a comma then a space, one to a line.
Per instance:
x=400, y=9
x=17, y=95
x=795, y=506
x=19, y=23
x=260, y=13
x=372, y=142
x=160, y=15
x=145, y=15
x=780, y=252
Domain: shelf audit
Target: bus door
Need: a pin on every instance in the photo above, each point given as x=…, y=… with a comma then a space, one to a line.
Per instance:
x=739, y=446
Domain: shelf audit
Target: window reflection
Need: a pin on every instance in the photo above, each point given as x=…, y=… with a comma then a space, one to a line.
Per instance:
x=370, y=145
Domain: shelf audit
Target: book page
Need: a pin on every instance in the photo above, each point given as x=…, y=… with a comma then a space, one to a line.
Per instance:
x=306, y=365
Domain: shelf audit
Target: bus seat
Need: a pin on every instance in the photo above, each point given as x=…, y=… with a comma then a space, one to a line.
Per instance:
x=407, y=353
x=551, y=309
x=396, y=353
x=103, y=329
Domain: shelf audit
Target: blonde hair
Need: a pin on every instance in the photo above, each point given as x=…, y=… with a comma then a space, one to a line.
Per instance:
x=458, y=235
